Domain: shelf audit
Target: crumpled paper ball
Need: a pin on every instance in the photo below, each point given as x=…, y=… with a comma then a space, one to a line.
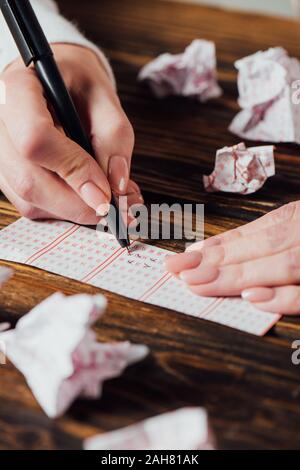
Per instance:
x=192, y=73
x=242, y=170
x=58, y=354
x=268, y=83
x=183, y=429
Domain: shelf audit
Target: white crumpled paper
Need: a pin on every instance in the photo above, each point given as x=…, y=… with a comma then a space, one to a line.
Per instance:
x=268, y=97
x=192, y=73
x=183, y=429
x=239, y=169
x=57, y=352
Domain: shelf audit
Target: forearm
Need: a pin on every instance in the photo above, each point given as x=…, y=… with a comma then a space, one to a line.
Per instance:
x=57, y=29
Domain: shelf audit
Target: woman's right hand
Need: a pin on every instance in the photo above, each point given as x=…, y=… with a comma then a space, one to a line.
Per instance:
x=44, y=173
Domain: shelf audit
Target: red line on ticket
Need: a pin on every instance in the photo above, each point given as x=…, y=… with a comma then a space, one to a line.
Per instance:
x=49, y=244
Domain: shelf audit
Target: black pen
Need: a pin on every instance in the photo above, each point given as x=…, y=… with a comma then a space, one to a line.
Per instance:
x=34, y=48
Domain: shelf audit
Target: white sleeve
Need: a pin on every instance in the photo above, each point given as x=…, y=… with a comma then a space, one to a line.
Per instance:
x=57, y=29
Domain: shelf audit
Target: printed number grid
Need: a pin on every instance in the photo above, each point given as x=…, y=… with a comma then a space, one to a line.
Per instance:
x=96, y=258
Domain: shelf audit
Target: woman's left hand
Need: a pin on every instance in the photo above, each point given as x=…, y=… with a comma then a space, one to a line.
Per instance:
x=259, y=261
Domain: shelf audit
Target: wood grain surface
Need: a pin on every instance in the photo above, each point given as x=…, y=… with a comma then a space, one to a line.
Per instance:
x=248, y=385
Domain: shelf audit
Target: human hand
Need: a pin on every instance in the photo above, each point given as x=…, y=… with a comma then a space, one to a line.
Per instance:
x=45, y=174
x=260, y=261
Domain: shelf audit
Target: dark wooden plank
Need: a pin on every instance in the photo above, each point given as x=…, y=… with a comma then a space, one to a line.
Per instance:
x=249, y=385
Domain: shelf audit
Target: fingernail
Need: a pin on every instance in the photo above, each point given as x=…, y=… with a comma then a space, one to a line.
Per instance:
x=202, y=275
x=133, y=187
x=258, y=294
x=213, y=241
x=130, y=212
x=95, y=198
x=183, y=261
x=132, y=224
x=118, y=174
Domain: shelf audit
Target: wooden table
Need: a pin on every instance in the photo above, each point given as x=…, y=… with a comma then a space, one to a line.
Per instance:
x=248, y=384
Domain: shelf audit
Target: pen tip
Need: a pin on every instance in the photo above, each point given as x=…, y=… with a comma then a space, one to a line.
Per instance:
x=128, y=250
